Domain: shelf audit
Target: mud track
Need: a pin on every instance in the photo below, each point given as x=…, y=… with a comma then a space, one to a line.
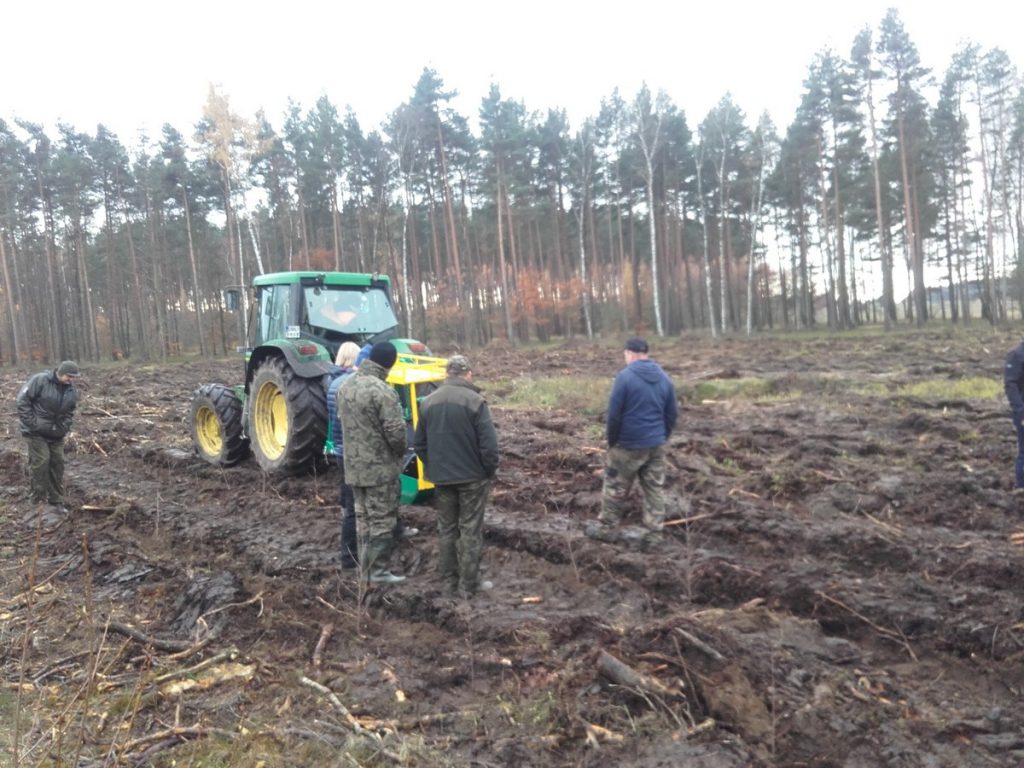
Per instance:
x=838, y=589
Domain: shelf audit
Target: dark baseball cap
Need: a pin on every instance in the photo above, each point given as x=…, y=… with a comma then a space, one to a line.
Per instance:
x=636, y=344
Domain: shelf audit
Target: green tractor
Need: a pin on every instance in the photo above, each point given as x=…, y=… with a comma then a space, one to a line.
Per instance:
x=298, y=321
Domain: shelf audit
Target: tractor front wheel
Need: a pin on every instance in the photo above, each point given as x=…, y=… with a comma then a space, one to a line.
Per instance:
x=216, y=419
x=287, y=418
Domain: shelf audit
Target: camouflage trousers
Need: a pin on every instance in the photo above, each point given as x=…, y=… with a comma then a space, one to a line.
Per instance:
x=460, y=532
x=46, y=467
x=377, y=508
x=623, y=466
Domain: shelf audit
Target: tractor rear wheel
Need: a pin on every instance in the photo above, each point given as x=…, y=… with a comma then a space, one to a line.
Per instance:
x=216, y=420
x=287, y=418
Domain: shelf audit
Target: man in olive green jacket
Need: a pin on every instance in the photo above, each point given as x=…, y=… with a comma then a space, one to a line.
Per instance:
x=375, y=444
x=456, y=441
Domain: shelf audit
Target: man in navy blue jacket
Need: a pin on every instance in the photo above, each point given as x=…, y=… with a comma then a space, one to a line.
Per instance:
x=642, y=411
x=1013, y=384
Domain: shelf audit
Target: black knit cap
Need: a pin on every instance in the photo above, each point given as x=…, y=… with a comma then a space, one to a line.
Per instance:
x=69, y=368
x=636, y=344
x=384, y=354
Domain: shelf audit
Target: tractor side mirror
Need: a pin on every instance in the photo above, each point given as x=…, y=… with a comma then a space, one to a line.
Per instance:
x=232, y=299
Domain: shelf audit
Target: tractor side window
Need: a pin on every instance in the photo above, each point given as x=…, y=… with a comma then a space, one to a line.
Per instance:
x=273, y=319
x=403, y=398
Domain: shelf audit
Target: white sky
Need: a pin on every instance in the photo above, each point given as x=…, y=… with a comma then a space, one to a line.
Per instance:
x=138, y=64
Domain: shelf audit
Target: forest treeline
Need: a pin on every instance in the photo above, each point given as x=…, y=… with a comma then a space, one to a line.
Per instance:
x=522, y=228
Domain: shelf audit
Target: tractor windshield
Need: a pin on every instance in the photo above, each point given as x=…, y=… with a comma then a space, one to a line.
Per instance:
x=361, y=312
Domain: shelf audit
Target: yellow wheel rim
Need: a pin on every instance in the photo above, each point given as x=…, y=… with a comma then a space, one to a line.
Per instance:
x=208, y=432
x=270, y=417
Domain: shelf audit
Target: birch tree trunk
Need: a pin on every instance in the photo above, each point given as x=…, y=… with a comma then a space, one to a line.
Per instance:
x=506, y=299
x=708, y=289
x=196, y=295
x=755, y=226
x=649, y=149
x=723, y=274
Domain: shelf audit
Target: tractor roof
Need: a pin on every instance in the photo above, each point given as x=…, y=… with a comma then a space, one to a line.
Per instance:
x=359, y=279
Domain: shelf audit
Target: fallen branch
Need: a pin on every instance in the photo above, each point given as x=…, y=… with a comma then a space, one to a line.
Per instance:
x=433, y=718
x=59, y=665
x=894, y=529
x=335, y=702
x=741, y=492
x=827, y=476
x=598, y=733
x=229, y=655
x=161, y=645
x=685, y=520
x=899, y=637
x=704, y=725
x=254, y=599
x=179, y=734
x=325, y=635
x=699, y=644
x=191, y=651
x=15, y=602
x=623, y=674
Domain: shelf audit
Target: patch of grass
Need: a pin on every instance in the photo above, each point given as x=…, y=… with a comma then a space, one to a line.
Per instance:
x=729, y=389
x=572, y=393
x=954, y=389
x=7, y=707
x=872, y=389
x=536, y=713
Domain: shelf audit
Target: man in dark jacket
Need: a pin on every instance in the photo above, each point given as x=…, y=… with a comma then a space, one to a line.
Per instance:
x=46, y=406
x=375, y=444
x=641, y=414
x=1013, y=384
x=456, y=441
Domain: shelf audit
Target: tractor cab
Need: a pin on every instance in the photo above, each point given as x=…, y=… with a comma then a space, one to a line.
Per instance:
x=326, y=308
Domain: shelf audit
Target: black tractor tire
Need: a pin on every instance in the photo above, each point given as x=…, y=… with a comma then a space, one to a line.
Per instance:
x=287, y=418
x=216, y=419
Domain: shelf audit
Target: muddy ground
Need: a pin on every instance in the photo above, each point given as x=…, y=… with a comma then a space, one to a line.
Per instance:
x=838, y=589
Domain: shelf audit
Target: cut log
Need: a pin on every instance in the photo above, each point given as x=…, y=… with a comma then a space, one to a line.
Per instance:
x=621, y=673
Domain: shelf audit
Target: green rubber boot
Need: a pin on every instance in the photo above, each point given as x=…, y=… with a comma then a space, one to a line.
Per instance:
x=379, y=558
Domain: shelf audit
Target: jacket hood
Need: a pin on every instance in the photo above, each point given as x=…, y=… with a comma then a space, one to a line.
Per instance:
x=647, y=370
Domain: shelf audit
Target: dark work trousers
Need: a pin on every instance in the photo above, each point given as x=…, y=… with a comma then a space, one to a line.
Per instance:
x=349, y=546
x=460, y=533
x=1020, y=452
x=46, y=466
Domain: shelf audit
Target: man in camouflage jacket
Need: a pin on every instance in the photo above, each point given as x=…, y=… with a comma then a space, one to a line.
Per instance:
x=375, y=444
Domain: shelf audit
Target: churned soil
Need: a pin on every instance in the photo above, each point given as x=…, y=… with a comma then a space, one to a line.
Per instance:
x=837, y=585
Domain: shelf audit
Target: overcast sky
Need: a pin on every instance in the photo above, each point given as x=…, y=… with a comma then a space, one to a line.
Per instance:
x=133, y=65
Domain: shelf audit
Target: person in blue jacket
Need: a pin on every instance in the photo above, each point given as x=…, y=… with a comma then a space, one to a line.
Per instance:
x=1013, y=384
x=350, y=357
x=345, y=365
x=642, y=412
